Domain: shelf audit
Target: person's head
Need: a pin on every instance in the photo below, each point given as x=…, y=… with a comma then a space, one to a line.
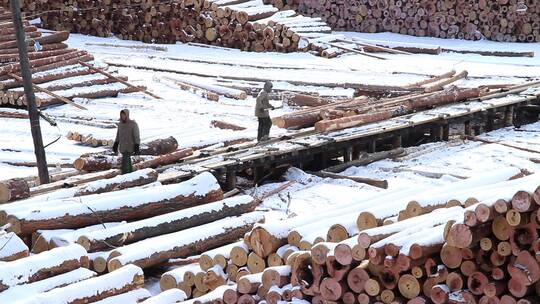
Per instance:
x=124, y=115
x=268, y=86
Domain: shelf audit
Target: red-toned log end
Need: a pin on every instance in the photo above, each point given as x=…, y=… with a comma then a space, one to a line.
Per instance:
x=454, y=281
x=522, y=201
x=488, y=300
x=318, y=299
x=409, y=287
x=364, y=240
x=416, y=251
x=496, y=259
x=357, y=279
x=524, y=269
x=363, y=299
x=417, y=300
x=506, y=299
x=440, y=294
x=460, y=236
x=331, y=289
x=376, y=255
x=230, y=296
x=246, y=299
x=273, y=297
x=517, y=289
x=343, y=254
x=498, y=274
x=451, y=256
x=483, y=213
x=536, y=195
x=349, y=298
x=470, y=218
x=477, y=282
x=403, y=262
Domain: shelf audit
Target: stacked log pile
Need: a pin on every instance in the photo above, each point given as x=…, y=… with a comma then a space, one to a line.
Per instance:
x=479, y=246
x=508, y=21
x=244, y=24
x=57, y=73
x=374, y=106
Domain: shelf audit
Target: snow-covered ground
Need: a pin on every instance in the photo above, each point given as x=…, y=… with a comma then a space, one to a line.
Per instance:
x=187, y=116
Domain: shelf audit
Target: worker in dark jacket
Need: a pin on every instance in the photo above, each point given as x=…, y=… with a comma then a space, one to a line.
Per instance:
x=261, y=112
x=127, y=140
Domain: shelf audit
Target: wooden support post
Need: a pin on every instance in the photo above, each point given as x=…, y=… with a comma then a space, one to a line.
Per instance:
x=435, y=133
x=446, y=132
x=509, y=116
x=372, y=145
x=477, y=129
x=230, y=179
x=489, y=120
x=347, y=155
x=467, y=128
x=397, y=141
x=323, y=160
x=356, y=152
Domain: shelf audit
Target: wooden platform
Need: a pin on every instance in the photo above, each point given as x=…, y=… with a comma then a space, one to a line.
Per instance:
x=316, y=150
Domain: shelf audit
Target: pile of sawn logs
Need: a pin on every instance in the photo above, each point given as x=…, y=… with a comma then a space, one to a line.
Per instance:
x=90, y=241
x=57, y=70
x=374, y=105
x=502, y=20
x=474, y=241
x=242, y=24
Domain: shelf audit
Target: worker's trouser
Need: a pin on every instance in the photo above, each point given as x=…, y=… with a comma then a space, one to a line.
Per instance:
x=265, y=123
x=127, y=167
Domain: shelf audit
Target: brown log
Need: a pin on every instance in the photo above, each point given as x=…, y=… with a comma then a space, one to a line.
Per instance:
x=180, y=196
x=13, y=189
x=303, y=100
x=12, y=247
x=225, y=125
x=159, y=146
x=50, y=263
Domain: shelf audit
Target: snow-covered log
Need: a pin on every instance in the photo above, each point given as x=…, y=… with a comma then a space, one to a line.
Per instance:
x=12, y=247
x=40, y=266
x=201, y=189
x=29, y=290
x=133, y=296
x=184, y=243
x=170, y=296
x=123, y=280
x=166, y=223
x=13, y=189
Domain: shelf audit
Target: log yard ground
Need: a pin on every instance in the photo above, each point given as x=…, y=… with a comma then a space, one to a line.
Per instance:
x=406, y=177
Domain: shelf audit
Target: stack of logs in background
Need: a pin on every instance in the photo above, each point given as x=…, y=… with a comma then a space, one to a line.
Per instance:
x=500, y=20
x=242, y=24
x=60, y=73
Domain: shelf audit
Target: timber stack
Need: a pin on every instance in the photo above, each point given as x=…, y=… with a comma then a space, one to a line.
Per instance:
x=58, y=73
x=243, y=24
x=475, y=241
x=502, y=20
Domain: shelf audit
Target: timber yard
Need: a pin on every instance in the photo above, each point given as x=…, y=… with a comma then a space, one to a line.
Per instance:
x=270, y=151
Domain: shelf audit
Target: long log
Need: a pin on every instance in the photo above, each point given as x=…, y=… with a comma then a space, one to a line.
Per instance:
x=123, y=280
x=146, y=203
x=50, y=263
x=159, y=146
x=133, y=296
x=193, y=240
x=167, y=223
x=13, y=189
x=30, y=290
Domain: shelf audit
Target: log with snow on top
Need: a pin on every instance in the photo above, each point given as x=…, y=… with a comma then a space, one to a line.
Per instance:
x=167, y=297
x=13, y=189
x=276, y=276
x=182, y=277
x=24, y=291
x=215, y=277
x=95, y=289
x=45, y=201
x=132, y=296
x=215, y=295
x=166, y=223
x=41, y=266
x=64, y=237
x=12, y=247
x=224, y=91
x=218, y=256
x=201, y=189
x=152, y=251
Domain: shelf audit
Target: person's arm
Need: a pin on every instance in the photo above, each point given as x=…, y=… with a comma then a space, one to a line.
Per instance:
x=266, y=102
x=115, y=145
x=136, y=138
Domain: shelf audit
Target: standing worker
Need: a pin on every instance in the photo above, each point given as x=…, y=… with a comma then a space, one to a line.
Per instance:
x=261, y=112
x=127, y=140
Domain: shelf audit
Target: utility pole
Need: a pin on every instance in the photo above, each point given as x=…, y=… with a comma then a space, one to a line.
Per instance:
x=29, y=92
